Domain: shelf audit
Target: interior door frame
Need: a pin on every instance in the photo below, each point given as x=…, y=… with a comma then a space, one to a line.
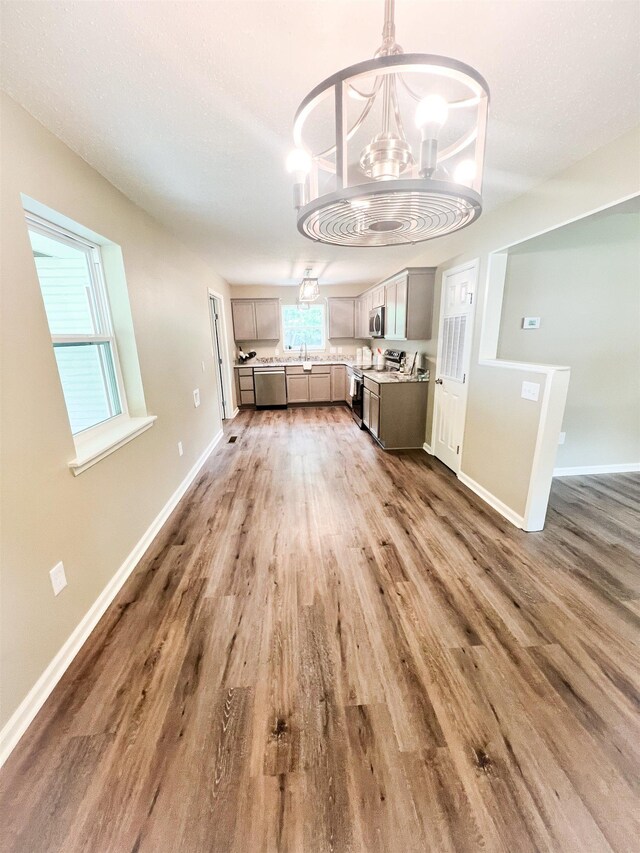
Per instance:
x=225, y=371
x=468, y=265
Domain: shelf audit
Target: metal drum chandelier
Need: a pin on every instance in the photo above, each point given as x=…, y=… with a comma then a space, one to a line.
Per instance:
x=390, y=151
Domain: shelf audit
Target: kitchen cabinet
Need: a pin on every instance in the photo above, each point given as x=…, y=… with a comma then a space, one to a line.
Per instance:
x=338, y=383
x=341, y=317
x=366, y=407
x=377, y=297
x=256, y=319
x=297, y=388
x=245, y=393
x=396, y=413
x=409, y=313
x=309, y=386
x=320, y=388
x=267, y=319
x=244, y=319
x=374, y=415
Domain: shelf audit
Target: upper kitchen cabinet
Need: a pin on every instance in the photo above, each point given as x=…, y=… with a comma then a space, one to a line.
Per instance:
x=256, y=319
x=341, y=317
x=409, y=304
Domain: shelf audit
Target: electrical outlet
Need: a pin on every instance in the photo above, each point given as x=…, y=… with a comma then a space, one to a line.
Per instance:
x=180, y=450
x=562, y=438
x=196, y=397
x=530, y=391
x=531, y=322
x=58, y=578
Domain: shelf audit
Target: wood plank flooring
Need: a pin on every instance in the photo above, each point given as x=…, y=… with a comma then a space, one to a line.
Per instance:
x=330, y=648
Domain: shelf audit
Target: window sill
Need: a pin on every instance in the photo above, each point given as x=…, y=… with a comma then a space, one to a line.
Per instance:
x=94, y=449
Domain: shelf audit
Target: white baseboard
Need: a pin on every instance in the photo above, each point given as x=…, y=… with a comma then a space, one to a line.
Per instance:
x=234, y=413
x=428, y=448
x=22, y=717
x=624, y=468
x=492, y=500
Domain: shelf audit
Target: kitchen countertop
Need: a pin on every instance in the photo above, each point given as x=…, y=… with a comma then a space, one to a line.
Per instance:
x=381, y=376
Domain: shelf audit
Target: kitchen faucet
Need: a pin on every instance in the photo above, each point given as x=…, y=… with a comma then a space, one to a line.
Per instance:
x=303, y=346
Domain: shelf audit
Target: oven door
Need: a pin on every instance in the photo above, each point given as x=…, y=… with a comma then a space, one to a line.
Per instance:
x=356, y=402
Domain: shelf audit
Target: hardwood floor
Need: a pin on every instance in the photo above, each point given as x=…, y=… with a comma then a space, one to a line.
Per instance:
x=330, y=648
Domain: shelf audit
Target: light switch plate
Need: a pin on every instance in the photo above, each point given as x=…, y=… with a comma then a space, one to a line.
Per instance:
x=58, y=578
x=531, y=322
x=562, y=438
x=203, y=367
x=180, y=450
x=196, y=397
x=530, y=390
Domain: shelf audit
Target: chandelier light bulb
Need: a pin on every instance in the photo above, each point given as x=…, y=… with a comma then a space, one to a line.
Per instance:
x=298, y=162
x=465, y=172
x=431, y=113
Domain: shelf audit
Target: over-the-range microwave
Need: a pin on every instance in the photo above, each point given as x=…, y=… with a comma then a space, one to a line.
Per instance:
x=376, y=323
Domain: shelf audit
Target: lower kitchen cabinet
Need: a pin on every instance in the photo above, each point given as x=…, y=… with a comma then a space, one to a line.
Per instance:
x=297, y=388
x=320, y=388
x=338, y=383
x=395, y=413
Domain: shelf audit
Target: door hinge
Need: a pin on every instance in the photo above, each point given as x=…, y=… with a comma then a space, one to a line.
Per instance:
x=464, y=378
x=458, y=449
x=220, y=362
x=471, y=299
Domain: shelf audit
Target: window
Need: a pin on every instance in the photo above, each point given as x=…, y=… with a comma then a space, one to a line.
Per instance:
x=75, y=299
x=303, y=326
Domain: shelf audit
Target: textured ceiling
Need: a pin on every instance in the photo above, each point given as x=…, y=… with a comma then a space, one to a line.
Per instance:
x=187, y=107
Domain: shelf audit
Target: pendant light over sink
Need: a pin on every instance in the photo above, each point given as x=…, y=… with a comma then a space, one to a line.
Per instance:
x=390, y=151
x=309, y=290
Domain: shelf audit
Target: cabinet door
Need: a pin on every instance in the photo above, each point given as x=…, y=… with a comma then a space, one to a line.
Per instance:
x=341, y=316
x=297, y=389
x=320, y=388
x=338, y=382
x=374, y=414
x=267, y=313
x=366, y=406
x=363, y=329
x=401, y=308
x=390, y=311
x=244, y=319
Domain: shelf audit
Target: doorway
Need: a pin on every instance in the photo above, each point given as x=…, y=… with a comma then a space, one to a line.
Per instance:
x=219, y=356
x=457, y=305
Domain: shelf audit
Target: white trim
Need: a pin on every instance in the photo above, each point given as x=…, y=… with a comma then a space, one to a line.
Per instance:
x=428, y=448
x=474, y=266
x=22, y=717
x=99, y=446
x=618, y=468
x=228, y=361
x=554, y=398
x=234, y=413
x=492, y=500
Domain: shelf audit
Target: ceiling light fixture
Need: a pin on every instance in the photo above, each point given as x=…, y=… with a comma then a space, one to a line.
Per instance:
x=309, y=290
x=390, y=151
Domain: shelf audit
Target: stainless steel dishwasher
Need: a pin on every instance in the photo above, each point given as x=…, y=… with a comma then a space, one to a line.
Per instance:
x=270, y=386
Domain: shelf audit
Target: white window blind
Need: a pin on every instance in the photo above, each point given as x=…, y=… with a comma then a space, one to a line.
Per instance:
x=75, y=299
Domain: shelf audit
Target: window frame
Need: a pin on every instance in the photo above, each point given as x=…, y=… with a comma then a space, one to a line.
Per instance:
x=100, y=308
x=320, y=304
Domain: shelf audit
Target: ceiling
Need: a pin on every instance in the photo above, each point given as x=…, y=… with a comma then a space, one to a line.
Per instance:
x=187, y=107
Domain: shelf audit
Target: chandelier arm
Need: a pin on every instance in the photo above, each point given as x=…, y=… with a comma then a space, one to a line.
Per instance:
x=365, y=112
x=365, y=95
x=396, y=110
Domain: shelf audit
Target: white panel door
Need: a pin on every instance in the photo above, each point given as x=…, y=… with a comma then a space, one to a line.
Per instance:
x=454, y=352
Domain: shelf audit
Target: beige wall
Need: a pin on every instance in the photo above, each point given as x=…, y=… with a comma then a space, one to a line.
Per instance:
x=289, y=296
x=91, y=522
x=609, y=175
x=583, y=281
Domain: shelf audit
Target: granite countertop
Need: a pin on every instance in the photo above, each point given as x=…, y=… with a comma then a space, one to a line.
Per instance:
x=380, y=376
x=388, y=377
